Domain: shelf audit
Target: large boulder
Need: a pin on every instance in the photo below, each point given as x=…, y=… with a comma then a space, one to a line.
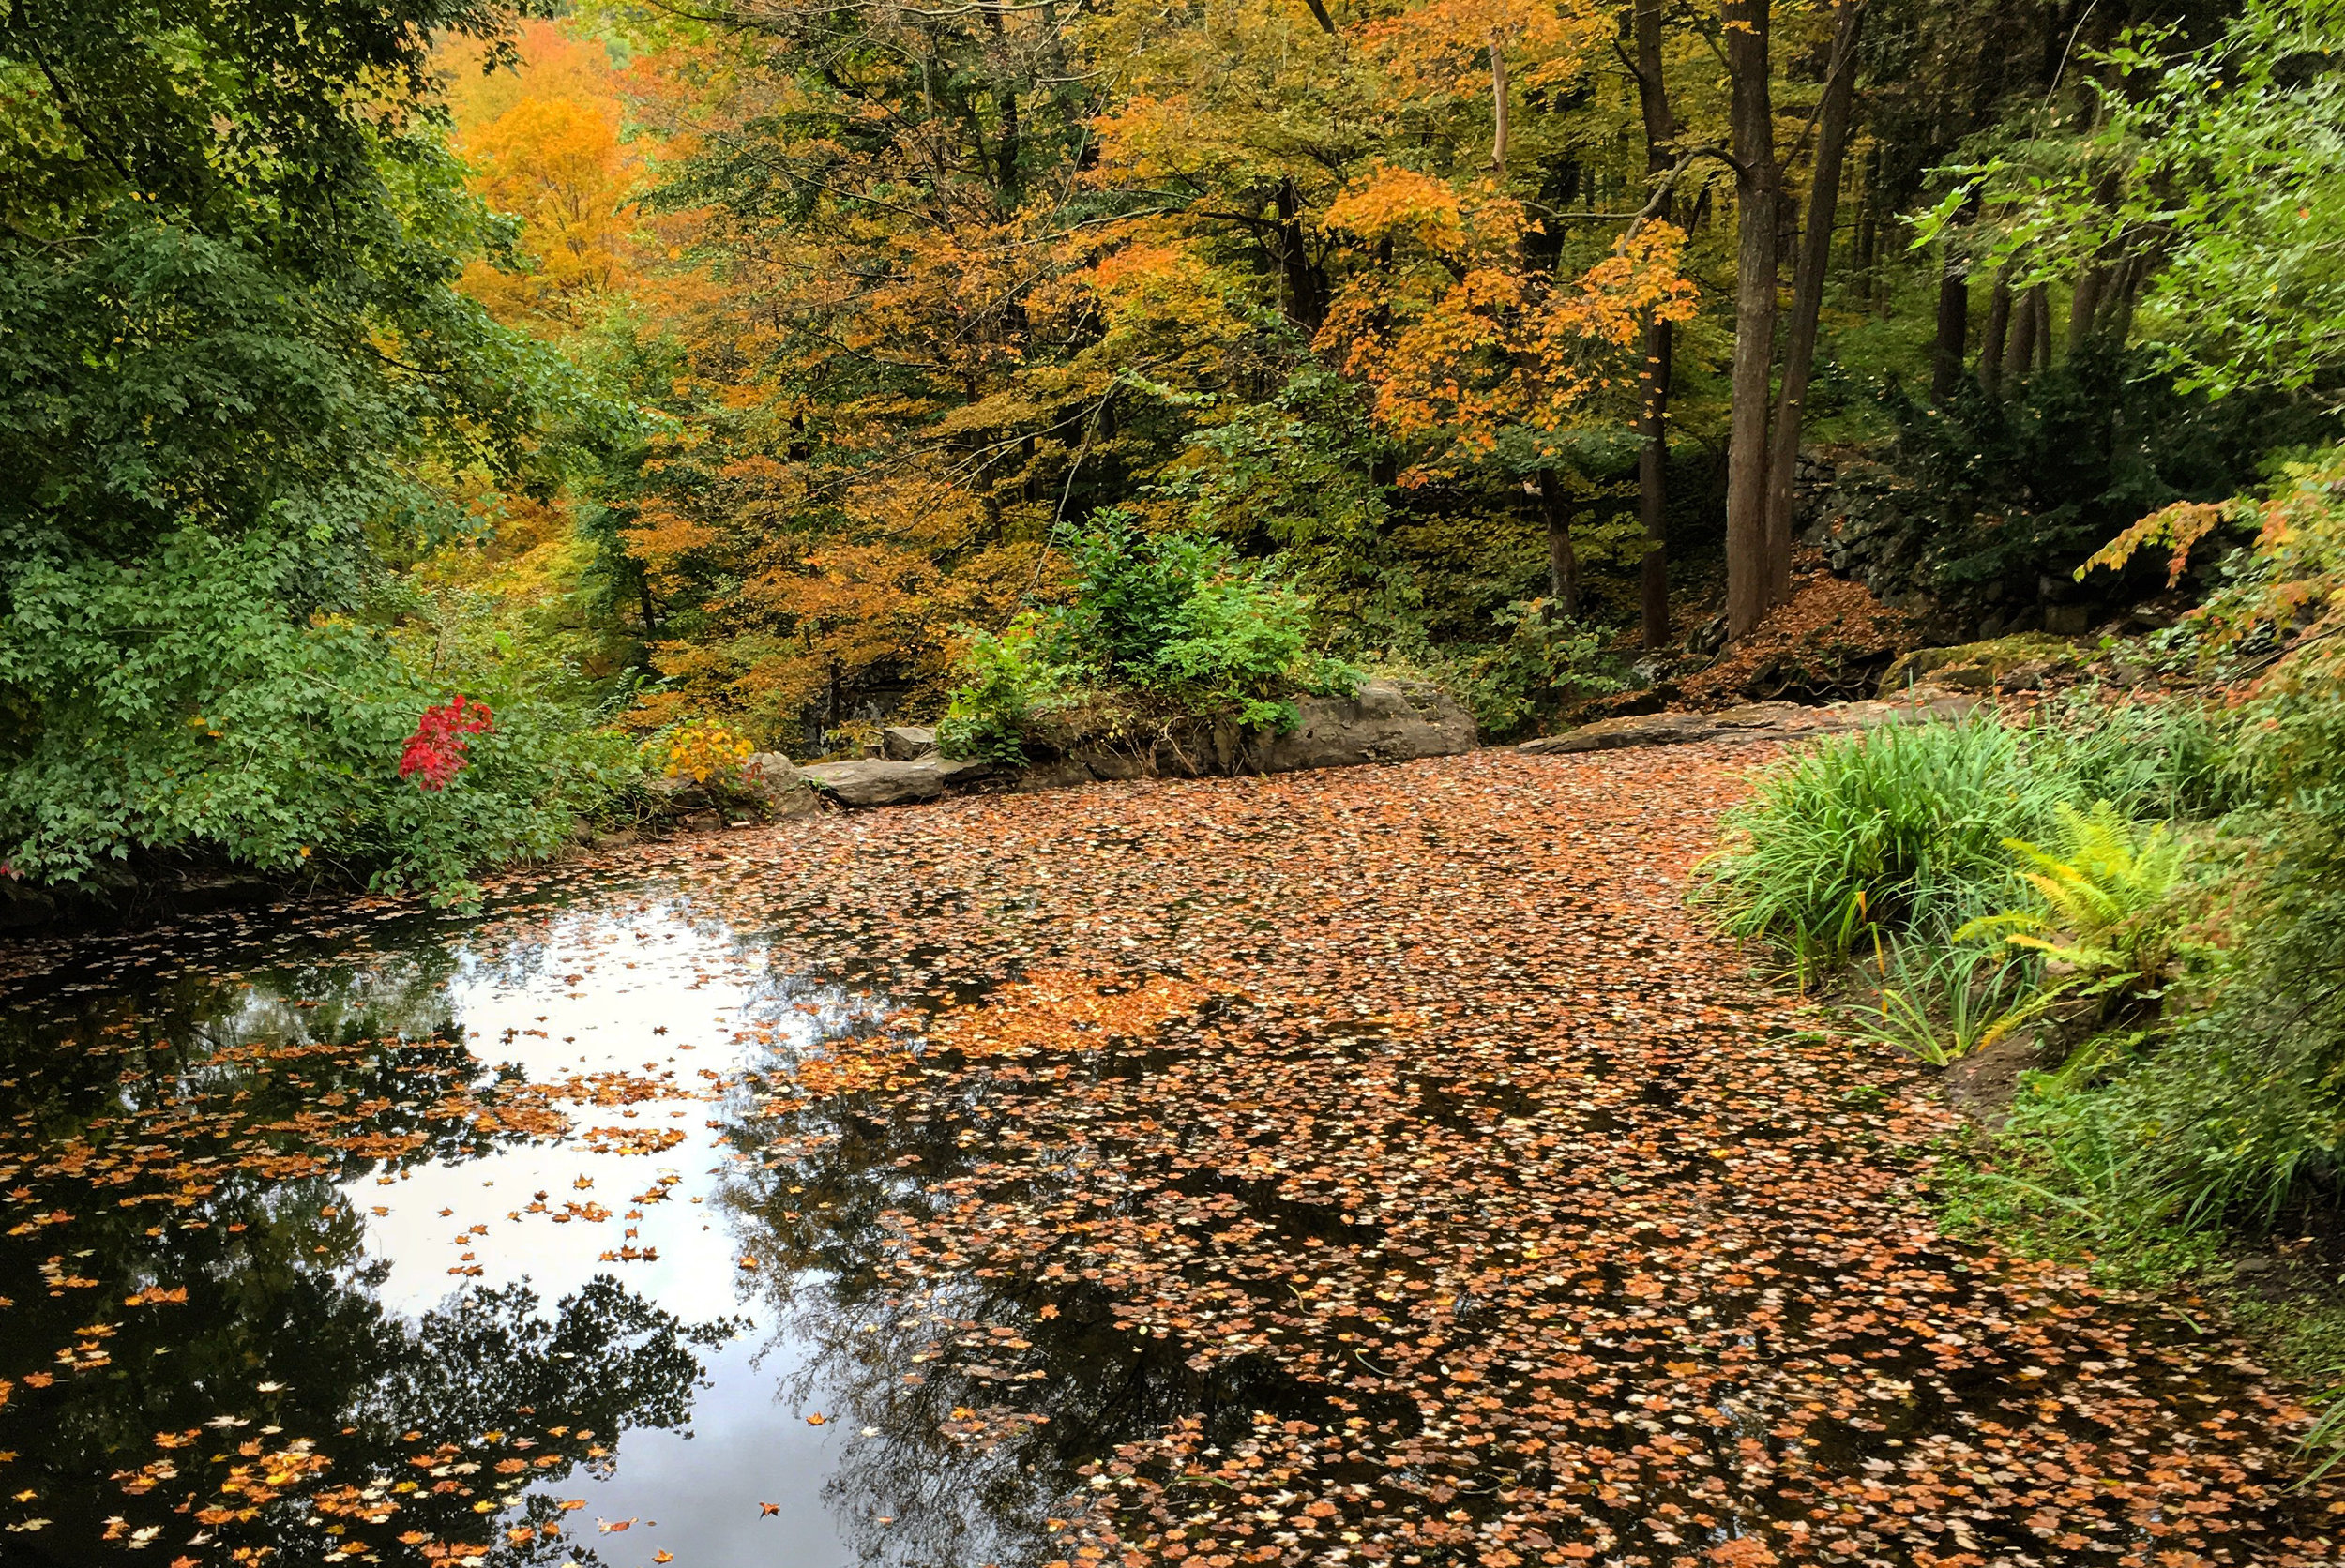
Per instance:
x=879, y=781
x=907, y=743
x=1389, y=721
x=768, y=786
x=780, y=789
x=2012, y=663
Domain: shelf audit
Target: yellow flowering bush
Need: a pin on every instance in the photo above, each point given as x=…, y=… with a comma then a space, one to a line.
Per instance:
x=702, y=750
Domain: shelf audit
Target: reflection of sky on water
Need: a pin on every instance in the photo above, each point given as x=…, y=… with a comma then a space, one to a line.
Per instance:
x=675, y=1008
x=586, y=1001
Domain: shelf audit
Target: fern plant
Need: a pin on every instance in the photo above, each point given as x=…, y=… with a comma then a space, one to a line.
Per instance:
x=2104, y=926
x=2105, y=895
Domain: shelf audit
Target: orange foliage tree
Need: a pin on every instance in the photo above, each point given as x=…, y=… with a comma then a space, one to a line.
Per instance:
x=942, y=283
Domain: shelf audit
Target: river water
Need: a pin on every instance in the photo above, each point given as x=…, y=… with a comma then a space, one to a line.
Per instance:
x=1034, y=1180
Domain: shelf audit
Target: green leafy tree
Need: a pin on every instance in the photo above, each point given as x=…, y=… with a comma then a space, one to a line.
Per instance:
x=2201, y=207
x=236, y=387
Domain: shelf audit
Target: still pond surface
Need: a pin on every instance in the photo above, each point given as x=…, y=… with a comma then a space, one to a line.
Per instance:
x=718, y=1204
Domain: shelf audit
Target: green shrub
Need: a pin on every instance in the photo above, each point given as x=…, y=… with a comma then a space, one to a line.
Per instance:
x=2103, y=895
x=2240, y=1115
x=185, y=707
x=1905, y=831
x=1182, y=615
x=2170, y=757
x=1174, y=617
x=1008, y=680
x=1547, y=661
x=1940, y=1004
x=1896, y=830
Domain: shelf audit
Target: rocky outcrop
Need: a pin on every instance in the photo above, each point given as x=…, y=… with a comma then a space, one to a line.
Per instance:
x=776, y=784
x=1388, y=721
x=769, y=787
x=1757, y=722
x=2022, y=663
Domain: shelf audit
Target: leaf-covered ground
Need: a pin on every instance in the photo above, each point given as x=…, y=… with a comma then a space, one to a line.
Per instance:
x=1378, y=1166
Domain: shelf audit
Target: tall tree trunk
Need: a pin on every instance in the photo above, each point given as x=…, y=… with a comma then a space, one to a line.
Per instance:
x=1653, y=456
x=2082, y=305
x=1562, y=561
x=2021, y=356
x=1006, y=102
x=2119, y=313
x=1498, y=105
x=1948, y=352
x=1652, y=497
x=1306, y=280
x=2039, y=299
x=1990, y=347
x=1869, y=228
x=1757, y=180
x=1815, y=261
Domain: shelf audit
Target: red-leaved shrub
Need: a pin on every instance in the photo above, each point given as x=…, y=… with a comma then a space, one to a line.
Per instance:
x=435, y=752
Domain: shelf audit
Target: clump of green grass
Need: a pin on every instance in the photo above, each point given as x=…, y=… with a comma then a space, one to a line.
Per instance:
x=1908, y=830
x=1868, y=837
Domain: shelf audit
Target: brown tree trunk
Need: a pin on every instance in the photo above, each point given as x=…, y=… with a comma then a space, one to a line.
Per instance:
x=1653, y=486
x=1758, y=179
x=1869, y=230
x=1660, y=132
x=2080, y=308
x=1006, y=101
x=1990, y=347
x=1953, y=329
x=1562, y=561
x=2120, y=311
x=2022, y=356
x=2040, y=297
x=1815, y=261
x=1306, y=281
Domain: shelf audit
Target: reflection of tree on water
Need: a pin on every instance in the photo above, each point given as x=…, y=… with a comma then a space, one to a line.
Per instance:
x=195, y=1141
x=986, y=1394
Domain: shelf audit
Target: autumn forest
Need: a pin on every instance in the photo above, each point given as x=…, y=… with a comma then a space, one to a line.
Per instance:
x=1047, y=783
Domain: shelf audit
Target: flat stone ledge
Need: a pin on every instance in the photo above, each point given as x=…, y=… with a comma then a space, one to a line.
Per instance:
x=1389, y=721
x=1756, y=721
x=877, y=781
